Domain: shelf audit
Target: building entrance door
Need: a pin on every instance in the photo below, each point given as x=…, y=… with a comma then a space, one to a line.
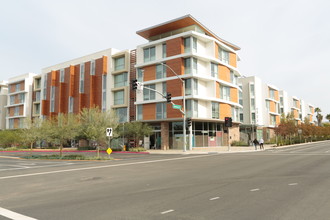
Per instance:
x=155, y=140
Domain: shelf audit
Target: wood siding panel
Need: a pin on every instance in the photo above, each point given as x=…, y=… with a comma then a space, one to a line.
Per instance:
x=149, y=73
x=216, y=51
x=217, y=90
x=225, y=111
x=224, y=73
x=177, y=66
x=174, y=113
x=232, y=59
x=174, y=87
x=234, y=95
x=277, y=97
x=149, y=111
x=272, y=106
x=174, y=47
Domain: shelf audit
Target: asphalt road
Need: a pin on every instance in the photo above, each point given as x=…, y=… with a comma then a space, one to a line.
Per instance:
x=288, y=183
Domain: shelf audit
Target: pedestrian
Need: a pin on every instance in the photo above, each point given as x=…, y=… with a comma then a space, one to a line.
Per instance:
x=261, y=142
x=255, y=142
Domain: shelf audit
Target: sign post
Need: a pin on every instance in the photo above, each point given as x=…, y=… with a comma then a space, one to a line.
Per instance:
x=109, y=134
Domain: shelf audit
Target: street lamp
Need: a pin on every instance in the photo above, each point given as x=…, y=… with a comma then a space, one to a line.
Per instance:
x=184, y=106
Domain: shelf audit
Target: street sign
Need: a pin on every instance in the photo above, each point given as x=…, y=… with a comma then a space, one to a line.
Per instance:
x=176, y=106
x=109, y=132
x=109, y=151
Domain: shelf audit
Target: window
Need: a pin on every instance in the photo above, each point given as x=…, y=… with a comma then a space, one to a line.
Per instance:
x=215, y=110
x=61, y=75
x=140, y=75
x=192, y=108
x=11, y=123
x=164, y=50
x=37, y=83
x=240, y=97
x=214, y=70
x=161, y=110
x=37, y=109
x=225, y=93
x=252, y=90
x=149, y=94
x=272, y=93
x=45, y=87
x=149, y=54
x=281, y=100
x=21, y=98
x=191, y=87
x=120, y=63
x=104, y=92
x=21, y=123
x=223, y=55
x=267, y=105
x=164, y=88
x=139, y=112
x=16, y=112
x=119, y=97
x=18, y=87
x=253, y=118
x=190, y=66
x=92, y=71
x=121, y=114
x=253, y=105
x=12, y=99
x=52, y=99
x=160, y=71
x=233, y=78
x=190, y=44
x=234, y=113
x=37, y=96
x=241, y=117
x=273, y=120
x=71, y=101
x=121, y=80
x=82, y=78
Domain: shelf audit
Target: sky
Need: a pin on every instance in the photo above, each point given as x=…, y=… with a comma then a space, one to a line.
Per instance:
x=286, y=43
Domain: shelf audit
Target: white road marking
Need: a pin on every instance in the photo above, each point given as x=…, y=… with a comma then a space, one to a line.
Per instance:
x=253, y=190
x=214, y=198
x=105, y=166
x=168, y=211
x=14, y=215
x=293, y=184
x=21, y=167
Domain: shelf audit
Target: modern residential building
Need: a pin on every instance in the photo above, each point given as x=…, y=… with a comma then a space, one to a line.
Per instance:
x=184, y=49
x=3, y=103
x=36, y=97
x=96, y=80
x=19, y=100
x=261, y=108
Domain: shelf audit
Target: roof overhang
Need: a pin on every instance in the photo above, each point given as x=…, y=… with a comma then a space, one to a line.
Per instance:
x=178, y=23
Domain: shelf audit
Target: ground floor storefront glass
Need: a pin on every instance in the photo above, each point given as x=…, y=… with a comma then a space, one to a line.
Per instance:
x=204, y=134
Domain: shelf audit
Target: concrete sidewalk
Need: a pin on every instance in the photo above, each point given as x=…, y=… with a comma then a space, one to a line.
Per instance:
x=210, y=150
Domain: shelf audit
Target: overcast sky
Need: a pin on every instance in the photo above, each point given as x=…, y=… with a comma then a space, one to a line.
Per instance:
x=285, y=43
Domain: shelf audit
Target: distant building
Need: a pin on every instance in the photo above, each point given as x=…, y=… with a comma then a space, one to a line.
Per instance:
x=3, y=103
x=19, y=100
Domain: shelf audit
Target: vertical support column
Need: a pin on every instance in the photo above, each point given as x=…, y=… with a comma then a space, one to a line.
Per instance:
x=165, y=136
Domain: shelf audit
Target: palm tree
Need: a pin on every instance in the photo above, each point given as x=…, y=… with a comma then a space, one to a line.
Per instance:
x=328, y=117
x=319, y=117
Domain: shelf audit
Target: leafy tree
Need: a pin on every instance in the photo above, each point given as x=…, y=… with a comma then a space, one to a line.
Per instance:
x=319, y=117
x=10, y=138
x=328, y=117
x=135, y=130
x=32, y=131
x=94, y=122
x=61, y=129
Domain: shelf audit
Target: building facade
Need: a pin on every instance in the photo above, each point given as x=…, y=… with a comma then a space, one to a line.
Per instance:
x=96, y=80
x=184, y=49
x=3, y=103
x=19, y=100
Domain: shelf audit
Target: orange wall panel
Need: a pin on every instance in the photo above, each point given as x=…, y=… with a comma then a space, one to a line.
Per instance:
x=174, y=47
x=272, y=106
x=216, y=51
x=225, y=110
x=277, y=96
x=174, y=113
x=149, y=73
x=174, y=87
x=177, y=66
x=217, y=90
x=234, y=95
x=149, y=111
x=224, y=73
x=232, y=59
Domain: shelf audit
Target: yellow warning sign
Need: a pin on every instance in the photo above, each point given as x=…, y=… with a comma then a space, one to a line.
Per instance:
x=109, y=151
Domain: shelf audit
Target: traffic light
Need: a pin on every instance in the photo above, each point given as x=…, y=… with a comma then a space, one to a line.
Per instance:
x=168, y=97
x=188, y=122
x=228, y=122
x=134, y=84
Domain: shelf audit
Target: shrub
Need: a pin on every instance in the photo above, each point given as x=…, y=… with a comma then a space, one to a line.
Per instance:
x=137, y=149
x=116, y=148
x=239, y=143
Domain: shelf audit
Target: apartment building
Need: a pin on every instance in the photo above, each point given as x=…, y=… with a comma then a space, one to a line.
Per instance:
x=96, y=80
x=3, y=103
x=19, y=100
x=184, y=49
x=261, y=108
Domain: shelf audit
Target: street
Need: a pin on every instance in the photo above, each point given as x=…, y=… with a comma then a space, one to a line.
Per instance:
x=286, y=183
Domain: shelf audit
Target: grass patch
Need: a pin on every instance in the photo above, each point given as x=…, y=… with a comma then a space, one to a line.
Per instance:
x=65, y=157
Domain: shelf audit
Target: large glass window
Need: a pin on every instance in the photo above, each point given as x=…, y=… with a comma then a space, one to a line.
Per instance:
x=149, y=94
x=104, y=92
x=223, y=55
x=233, y=77
x=16, y=112
x=61, y=75
x=267, y=105
x=82, y=78
x=161, y=110
x=139, y=112
x=273, y=120
x=140, y=75
x=119, y=97
x=225, y=93
x=191, y=87
x=190, y=65
x=92, y=68
x=234, y=113
x=21, y=98
x=253, y=118
x=52, y=99
x=252, y=90
x=121, y=80
x=272, y=93
x=253, y=105
x=11, y=123
x=215, y=110
x=164, y=88
x=71, y=100
x=120, y=63
x=190, y=44
x=214, y=70
x=121, y=114
x=12, y=99
x=192, y=108
x=164, y=50
x=18, y=87
x=160, y=71
x=45, y=87
x=149, y=54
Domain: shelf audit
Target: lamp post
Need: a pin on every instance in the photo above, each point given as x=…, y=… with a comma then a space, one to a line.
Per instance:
x=184, y=106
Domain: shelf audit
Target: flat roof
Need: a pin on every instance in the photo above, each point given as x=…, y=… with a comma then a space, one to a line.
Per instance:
x=178, y=23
